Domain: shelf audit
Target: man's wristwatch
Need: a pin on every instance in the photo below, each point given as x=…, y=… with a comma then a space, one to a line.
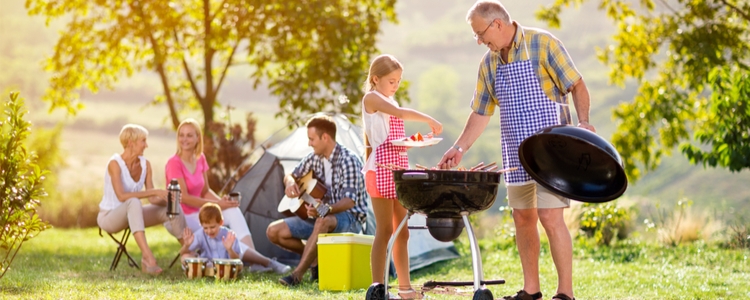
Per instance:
x=457, y=147
x=324, y=210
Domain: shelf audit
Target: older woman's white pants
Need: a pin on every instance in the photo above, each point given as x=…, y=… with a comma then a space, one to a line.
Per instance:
x=137, y=216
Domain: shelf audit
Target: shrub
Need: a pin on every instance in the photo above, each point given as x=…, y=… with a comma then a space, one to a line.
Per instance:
x=227, y=147
x=20, y=184
x=680, y=225
x=739, y=236
x=505, y=230
x=605, y=221
x=72, y=208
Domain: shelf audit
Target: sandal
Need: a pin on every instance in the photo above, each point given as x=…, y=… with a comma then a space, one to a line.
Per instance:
x=410, y=294
x=523, y=295
x=562, y=296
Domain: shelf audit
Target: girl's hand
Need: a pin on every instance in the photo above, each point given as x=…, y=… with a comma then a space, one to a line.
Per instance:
x=437, y=128
x=228, y=240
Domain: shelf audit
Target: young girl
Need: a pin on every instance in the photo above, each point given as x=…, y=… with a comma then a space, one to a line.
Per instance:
x=384, y=122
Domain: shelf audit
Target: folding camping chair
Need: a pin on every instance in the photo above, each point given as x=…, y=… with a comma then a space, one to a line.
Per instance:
x=121, y=249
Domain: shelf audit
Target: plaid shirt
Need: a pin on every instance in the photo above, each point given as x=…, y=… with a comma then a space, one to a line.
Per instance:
x=552, y=65
x=347, y=179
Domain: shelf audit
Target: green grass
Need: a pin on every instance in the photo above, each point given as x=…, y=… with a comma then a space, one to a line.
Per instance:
x=73, y=264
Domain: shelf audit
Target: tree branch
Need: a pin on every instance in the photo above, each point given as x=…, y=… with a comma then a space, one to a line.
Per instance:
x=211, y=17
x=227, y=65
x=208, y=50
x=159, y=63
x=208, y=101
x=669, y=7
x=188, y=73
x=739, y=11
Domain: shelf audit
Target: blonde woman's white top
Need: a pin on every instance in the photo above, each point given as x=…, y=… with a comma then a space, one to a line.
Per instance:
x=377, y=128
x=109, y=199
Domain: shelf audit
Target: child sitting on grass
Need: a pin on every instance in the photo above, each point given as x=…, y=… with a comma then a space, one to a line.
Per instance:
x=218, y=242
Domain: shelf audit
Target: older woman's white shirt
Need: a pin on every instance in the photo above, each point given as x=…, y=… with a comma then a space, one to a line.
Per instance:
x=109, y=199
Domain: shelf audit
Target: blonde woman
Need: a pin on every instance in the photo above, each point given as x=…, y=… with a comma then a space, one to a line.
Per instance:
x=128, y=179
x=190, y=168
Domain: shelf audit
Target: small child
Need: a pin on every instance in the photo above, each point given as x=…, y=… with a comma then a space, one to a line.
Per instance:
x=218, y=242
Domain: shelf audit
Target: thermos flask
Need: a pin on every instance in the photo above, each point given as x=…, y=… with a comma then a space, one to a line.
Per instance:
x=173, y=198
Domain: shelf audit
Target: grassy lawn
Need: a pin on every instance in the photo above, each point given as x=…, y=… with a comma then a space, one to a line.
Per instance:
x=73, y=264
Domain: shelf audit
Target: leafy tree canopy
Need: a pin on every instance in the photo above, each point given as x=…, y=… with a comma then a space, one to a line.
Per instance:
x=307, y=51
x=690, y=59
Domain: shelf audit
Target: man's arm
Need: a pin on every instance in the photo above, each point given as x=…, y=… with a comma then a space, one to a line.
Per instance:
x=343, y=205
x=290, y=181
x=582, y=102
x=474, y=127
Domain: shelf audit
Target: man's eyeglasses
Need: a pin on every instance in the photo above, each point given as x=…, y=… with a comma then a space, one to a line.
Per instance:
x=480, y=35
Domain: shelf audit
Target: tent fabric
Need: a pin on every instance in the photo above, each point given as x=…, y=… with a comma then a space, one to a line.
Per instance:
x=294, y=147
x=425, y=250
x=261, y=189
x=264, y=187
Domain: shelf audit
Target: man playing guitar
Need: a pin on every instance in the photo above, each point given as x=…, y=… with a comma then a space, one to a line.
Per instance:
x=342, y=209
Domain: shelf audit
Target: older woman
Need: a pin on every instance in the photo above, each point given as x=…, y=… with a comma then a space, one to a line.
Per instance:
x=127, y=175
x=190, y=168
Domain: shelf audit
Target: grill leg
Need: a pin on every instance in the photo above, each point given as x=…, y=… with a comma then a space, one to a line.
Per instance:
x=390, y=249
x=476, y=258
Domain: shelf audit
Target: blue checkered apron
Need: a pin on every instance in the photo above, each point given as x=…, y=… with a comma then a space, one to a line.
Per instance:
x=524, y=110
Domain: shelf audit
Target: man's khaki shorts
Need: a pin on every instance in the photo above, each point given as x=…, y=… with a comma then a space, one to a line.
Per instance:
x=533, y=195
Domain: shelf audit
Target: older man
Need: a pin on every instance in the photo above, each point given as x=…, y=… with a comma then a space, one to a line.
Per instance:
x=527, y=73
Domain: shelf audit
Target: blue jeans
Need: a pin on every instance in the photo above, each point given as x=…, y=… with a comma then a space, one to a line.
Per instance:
x=302, y=229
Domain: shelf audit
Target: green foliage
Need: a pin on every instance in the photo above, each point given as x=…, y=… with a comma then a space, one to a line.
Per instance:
x=20, y=184
x=307, y=52
x=45, y=143
x=726, y=124
x=505, y=232
x=671, y=51
x=605, y=221
x=627, y=251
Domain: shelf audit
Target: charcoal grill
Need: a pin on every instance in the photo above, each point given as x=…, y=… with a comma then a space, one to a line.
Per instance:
x=447, y=198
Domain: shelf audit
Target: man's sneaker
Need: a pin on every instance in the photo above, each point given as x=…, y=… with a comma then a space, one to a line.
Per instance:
x=290, y=280
x=278, y=267
x=256, y=268
x=314, y=273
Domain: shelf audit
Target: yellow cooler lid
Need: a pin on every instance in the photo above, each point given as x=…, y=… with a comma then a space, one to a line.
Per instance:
x=345, y=238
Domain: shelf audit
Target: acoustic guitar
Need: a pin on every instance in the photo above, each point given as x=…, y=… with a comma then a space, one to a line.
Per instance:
x=310, y=189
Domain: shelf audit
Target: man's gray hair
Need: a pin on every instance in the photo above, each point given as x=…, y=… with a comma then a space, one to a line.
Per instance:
x=489, y=10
